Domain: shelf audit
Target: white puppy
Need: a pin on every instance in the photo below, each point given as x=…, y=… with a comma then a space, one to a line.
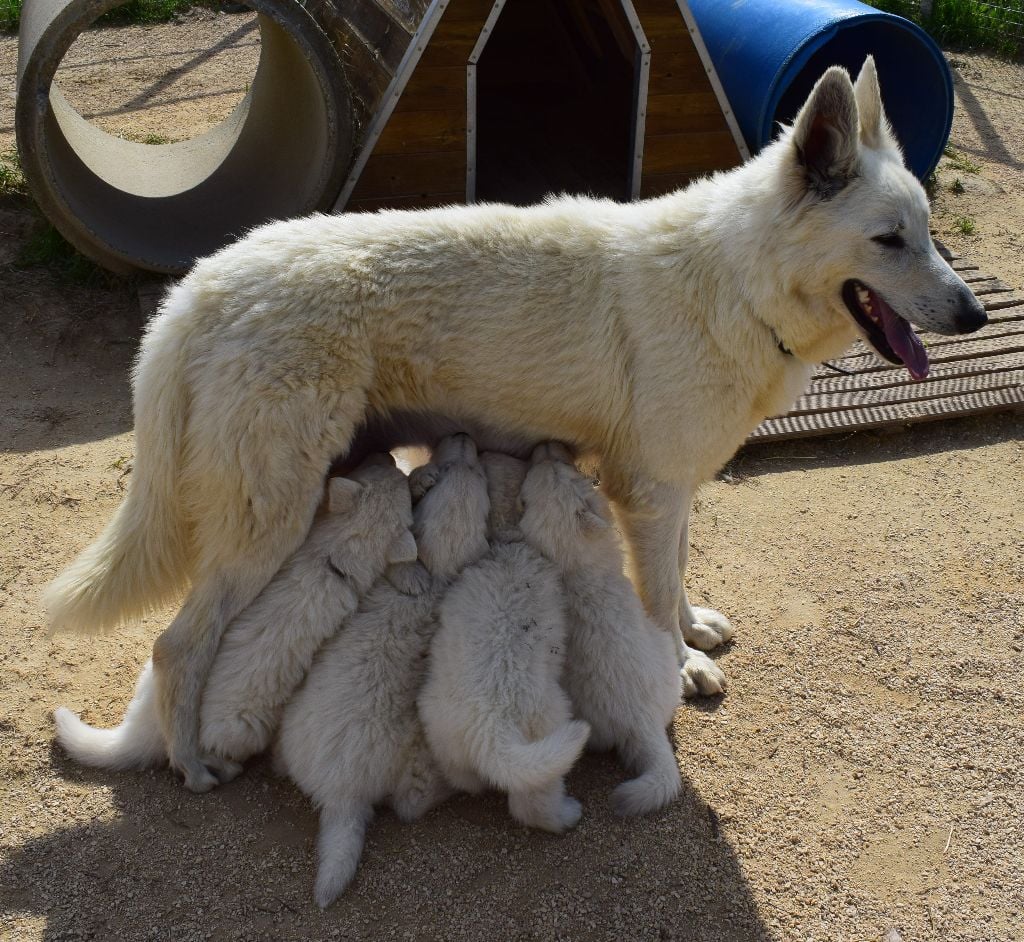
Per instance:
x=492, y=709
x=351, y=738
x=620, y=668
x=267, y=650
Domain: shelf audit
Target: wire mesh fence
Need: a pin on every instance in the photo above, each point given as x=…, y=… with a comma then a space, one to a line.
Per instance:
x=997, y=25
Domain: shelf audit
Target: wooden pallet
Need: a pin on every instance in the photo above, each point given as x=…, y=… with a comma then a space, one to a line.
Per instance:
x=981, y=372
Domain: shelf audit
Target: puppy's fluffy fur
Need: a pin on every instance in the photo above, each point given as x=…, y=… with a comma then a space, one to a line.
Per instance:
x=351, y=738
x=620, y=668
x=492, y=708
x=267, y=650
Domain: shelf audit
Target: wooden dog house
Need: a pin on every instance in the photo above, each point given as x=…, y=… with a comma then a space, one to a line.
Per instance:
x=463, y=100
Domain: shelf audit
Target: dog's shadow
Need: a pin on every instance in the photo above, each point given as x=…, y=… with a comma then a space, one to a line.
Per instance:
x=238, y=864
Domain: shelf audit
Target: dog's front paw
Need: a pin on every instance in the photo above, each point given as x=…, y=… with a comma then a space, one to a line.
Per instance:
x=708, y=630
x=701, y=676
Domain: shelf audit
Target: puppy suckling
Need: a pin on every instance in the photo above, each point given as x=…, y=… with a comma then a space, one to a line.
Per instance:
x=479, y=638
x=267, y=650
x=492, y=708
x=620, y=672
x=351, y=737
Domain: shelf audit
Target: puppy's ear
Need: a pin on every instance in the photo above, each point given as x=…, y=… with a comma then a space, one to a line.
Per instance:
x=422, y=479
x=592, y=514
x=379, y=459
x=403, y=549
x=341, y=494
x=874, y=128
x=826, y=134
x=551, y=451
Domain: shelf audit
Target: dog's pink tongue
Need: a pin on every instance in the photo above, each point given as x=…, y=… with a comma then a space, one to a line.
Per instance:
x=903, y=340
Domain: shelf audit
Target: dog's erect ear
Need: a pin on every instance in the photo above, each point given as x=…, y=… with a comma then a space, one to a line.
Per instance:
x=826, y=134
x=341, y=494
x=403, y=549
x=422, y=479
x=874, y=128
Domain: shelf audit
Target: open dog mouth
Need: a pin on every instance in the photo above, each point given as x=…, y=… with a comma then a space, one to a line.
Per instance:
x=884, y=329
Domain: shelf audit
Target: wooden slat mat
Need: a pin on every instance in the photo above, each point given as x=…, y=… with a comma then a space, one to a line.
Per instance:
x=980, y=372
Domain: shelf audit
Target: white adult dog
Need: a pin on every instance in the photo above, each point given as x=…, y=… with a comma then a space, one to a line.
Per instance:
x=618, y=664
x=351, y=738
x=653, y=335
x=493, y=710
x=268, y=648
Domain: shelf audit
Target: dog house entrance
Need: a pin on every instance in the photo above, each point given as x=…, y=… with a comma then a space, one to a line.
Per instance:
x=557, y=83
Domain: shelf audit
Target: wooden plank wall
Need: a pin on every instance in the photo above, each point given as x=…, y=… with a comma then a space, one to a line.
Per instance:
x=686, y=134
x=420, y=159
x=371, y=37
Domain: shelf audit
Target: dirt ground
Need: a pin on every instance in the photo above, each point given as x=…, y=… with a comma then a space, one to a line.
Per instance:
x=861, y=780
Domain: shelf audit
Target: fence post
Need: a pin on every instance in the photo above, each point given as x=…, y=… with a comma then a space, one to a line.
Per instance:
x=926, y=9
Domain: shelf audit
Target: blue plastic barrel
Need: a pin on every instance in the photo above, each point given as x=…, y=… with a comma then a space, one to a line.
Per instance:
x=769, y=53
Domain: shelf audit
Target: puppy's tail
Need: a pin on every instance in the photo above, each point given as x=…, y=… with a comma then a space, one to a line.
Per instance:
x=513, y=763
x=141, y=560
x=137, y=743
x=340, y=845
x=659, y=782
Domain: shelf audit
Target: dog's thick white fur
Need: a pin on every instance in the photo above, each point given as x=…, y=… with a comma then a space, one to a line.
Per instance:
x=492, y=708
x=619, y=666
x=653, y=335
x=351, y=737
x=267, y=649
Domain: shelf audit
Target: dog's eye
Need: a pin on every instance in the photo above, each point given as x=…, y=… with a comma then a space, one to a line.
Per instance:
x=891, y=240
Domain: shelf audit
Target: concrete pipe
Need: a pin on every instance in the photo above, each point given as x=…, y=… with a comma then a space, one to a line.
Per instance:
x=282, y=152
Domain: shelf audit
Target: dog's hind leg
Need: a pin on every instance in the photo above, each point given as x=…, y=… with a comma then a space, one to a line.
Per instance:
x=254, y=497
x=653, y=518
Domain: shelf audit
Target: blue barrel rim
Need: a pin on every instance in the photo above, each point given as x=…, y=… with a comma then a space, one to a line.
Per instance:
x=800, y=56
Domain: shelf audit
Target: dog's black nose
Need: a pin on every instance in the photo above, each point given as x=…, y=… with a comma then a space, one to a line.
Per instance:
x=971, y=315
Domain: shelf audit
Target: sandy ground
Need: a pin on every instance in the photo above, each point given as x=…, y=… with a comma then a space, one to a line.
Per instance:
x=861, y=780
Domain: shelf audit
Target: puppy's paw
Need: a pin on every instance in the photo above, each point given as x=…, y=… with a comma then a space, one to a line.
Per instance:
x=709, y=629
x=569, y=813
x=224, y=769
x=196, y=776
x=701, y=676
x=207, y=772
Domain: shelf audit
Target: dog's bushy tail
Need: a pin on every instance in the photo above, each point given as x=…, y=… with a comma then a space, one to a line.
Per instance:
x=340, y=845
x=141, y=560
x=138, y=743
x=511, y=762
x=658, y=782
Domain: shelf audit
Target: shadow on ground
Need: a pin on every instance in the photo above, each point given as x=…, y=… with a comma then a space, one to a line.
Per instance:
x=873, y=447
x=237, y=864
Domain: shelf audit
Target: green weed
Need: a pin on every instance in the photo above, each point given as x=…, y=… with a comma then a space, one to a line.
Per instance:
x=961, y=162
x=964, y=225
x=12, y=179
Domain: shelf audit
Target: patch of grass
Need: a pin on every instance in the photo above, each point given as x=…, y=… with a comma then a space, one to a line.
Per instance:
x=970, y=24
x=957, y=186
x=961, y=162
x=964, y=225
x=12, y=179
x=145, y=138
x=47, y=248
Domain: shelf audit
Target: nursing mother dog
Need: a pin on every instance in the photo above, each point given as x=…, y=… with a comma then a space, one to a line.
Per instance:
x=653, y=336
